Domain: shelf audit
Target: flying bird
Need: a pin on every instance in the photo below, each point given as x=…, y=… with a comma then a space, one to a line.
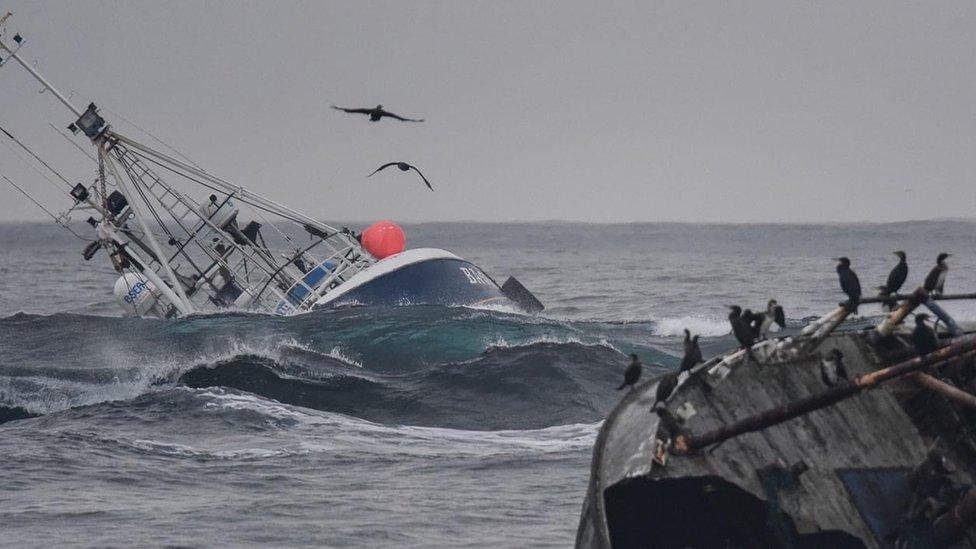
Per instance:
x=774, y=314
x=832, y=368
x=896, y=278
x=403, y=167
x=741, y=329
x=376, y=113
x=849, y=283
x=632, y=373
x=693, y=354
x=923, y=336
x=935, y=281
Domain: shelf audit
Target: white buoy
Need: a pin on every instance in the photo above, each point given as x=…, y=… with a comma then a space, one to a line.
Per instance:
x=136, y=295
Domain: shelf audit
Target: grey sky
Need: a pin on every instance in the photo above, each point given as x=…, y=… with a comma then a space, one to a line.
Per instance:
x=665, y=111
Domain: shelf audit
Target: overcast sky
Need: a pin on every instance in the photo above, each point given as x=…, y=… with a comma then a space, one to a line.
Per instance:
x=643, y=111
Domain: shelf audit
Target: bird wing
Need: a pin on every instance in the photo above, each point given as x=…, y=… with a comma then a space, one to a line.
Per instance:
x=353, y=111
x=940, y=284
x=743, y=332
x=383, y=167
x=779, y=316
x=398, y=117
x=932, y=279
x=896, y=278
x=850, y=284
x=421, y=177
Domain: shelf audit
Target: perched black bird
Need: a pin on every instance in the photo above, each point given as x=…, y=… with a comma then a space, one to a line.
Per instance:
x=665, y=386
x=832, y=368
x=376, y=113
x=923, y=336
x=693, y=354
x=632, y=373
x=403, y=167
x=741, y=329
x=935, y=281
x=754, y=321
x=669, y=424
x=774, y=314
x=896, y=278
x=849, y=283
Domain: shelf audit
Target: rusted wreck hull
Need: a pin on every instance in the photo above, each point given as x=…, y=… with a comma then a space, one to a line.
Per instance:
x=848, y=474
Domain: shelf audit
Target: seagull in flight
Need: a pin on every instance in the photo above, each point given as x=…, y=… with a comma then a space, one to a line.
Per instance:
x=403, y=167
x=376, y=113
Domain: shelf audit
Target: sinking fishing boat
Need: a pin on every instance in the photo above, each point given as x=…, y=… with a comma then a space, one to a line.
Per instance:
x=185, y=241
x=767, y=452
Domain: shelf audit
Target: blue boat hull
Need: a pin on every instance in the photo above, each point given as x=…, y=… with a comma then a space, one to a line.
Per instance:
x=429, y=277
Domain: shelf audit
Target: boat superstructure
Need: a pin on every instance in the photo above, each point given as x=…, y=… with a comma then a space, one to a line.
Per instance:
x=186, y=241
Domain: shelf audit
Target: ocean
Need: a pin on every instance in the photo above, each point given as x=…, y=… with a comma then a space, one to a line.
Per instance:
x=404, y=427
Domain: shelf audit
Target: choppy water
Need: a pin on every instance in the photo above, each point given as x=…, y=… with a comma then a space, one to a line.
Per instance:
x=417, y=426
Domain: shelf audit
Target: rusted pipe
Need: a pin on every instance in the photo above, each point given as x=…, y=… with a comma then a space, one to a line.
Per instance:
x=816, y=324
x=954, y=394
x=687, y=443
x=902, y=297
x=907, y=306
x=834, y=319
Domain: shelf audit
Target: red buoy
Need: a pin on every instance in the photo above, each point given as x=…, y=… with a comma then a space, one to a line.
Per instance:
x=383, y=239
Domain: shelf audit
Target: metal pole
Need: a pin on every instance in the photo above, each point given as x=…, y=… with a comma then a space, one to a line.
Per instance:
x=900, y=297
x=146, y=271
x=226, y=185
x=896, y=318
x=685, y=444
x=40, y=78
x=954, y=329
x=952, y=393
x=183, y=303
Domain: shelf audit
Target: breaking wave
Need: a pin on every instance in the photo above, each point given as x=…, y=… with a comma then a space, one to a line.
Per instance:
x=419, y=366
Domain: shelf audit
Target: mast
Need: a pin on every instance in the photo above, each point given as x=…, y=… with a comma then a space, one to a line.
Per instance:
x=207, y=259
x=95, y=128
x=12, y=52
x=182, y=302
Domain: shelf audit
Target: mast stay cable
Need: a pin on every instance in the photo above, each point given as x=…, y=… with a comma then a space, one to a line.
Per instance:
x=59, y=219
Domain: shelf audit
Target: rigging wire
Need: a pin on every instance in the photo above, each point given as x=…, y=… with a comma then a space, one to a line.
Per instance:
x=59, y=219
x=140, y=128
x=45, y=176
x=36, y=157
x=218, y=189
x=77, y=146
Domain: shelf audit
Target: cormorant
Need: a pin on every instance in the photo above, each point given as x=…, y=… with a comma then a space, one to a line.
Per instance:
x=376, y=113
x=632, y=373
x=935, y=281
x=741, y=329
x=693, y=354
x=403, y=167
x=832, y=368
x=665, y=386
x=923, y=336
x=774, y=313
x=849, y=283
x=753, y=321
x=896, y=278
x=669, y=423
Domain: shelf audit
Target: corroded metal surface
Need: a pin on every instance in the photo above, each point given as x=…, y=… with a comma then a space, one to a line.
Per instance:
x=868, y=431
